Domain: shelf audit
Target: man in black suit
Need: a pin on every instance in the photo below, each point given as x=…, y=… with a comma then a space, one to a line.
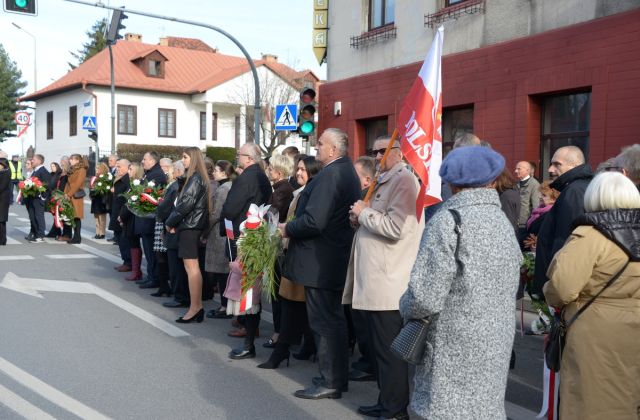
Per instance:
x=318, y=257
x=35, y=205
x=145, y=226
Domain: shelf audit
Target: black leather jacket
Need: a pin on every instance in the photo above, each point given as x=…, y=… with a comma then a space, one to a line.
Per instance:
x=192, y=209
x=622, y=226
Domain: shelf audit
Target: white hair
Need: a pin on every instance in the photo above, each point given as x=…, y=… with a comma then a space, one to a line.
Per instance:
x=340, y=140
x=611, y=190
x=282, y=164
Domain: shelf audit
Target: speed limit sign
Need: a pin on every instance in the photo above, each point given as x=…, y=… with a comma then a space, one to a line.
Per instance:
x=22, y=118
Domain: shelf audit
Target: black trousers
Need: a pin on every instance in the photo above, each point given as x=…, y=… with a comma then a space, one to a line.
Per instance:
x=150, y=256
x=361, y=330
x=329, y=326
x=178, y=277
x=392, y=373
x=221, y=280
x=162, y=265
x=3, y=233
x=251, y=323
x=124, y=246
x=294, y=323
x=36, y=216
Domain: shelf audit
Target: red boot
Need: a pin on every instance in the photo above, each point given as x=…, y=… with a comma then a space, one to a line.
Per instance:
x=136, y=259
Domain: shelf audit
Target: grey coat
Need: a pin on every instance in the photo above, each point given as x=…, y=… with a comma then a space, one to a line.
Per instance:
x=464, y=376
x=216, y=260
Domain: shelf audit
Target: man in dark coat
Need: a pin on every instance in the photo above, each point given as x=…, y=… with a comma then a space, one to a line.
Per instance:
x=572, y=176
x=35, y=205
x=318, y=257
x=120, y=186
x=145, y=226
x=251, y=187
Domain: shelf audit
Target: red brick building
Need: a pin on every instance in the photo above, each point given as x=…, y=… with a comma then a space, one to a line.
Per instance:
x=579, y=84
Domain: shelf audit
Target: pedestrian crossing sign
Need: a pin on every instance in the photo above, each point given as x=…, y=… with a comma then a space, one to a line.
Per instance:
x=89, y=123
x=286, y=116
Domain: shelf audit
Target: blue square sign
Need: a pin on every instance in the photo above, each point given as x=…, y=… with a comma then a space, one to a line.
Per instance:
x=89, y=123
x=286, y=117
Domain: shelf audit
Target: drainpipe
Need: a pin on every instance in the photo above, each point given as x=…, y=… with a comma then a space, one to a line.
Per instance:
x=84, y=89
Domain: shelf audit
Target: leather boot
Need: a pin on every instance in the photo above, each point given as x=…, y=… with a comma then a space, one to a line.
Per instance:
x=136, y=259
x=76, y=232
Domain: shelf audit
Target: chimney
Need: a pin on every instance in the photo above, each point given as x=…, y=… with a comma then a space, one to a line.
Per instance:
x=164, y=41
x=270, y=58
x=133, y=37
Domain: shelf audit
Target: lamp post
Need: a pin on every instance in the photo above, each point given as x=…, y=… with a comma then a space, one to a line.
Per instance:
x=35, y=78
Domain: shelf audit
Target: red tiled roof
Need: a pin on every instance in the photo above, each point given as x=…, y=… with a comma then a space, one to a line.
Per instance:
x=187, y=71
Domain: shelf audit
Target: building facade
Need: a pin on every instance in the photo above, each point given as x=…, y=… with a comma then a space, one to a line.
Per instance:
x=179, y=92
x=528, y=76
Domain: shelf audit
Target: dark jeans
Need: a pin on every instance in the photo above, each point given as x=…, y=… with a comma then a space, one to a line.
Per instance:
x=36, y=216
x=149, y=255
x=329, y=326
x=391, y=371
x=124, y=246
x=178, y=277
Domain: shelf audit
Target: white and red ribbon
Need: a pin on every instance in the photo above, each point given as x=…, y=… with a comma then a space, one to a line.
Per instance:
x=246, y=302
x=149, y=198
x=92, y=181
x=57, y=222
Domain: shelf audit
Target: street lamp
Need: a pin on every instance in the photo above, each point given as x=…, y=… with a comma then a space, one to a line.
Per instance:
x=35, y=76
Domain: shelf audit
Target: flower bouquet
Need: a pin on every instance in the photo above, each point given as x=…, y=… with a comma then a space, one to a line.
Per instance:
x=543, y=323
x=30, y=187
x=259, y=246
x=61, y=209
x=101, y=184
x=143, y=198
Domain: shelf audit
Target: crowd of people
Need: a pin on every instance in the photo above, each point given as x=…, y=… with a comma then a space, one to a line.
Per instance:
x=354, y=271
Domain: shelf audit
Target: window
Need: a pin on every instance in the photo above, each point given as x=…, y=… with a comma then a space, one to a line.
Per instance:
x=49, y=125
x=203, y=127
x=127, y=119
x=73, y=121
x=166, y=122
x=565, y=122
x=374, y=128
x=455, y=122
x=381, y=13
x=154, y=68
x=236, y=131
x=448, y=3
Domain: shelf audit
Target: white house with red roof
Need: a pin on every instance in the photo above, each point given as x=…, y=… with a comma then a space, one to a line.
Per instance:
x=163, y=94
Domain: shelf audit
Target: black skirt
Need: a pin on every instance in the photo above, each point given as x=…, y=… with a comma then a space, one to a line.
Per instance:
x=188, y=243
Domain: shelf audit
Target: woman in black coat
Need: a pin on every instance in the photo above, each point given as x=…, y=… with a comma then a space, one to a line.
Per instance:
x=120, y=186
x=55, y=183
x=5, y=198
x=190, y=218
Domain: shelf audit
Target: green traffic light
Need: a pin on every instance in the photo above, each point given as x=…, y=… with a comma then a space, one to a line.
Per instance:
x=21, y=3
x=307, y=127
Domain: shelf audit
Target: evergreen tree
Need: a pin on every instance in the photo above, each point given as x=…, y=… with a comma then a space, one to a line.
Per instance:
x=96, y=43
x=11, y=88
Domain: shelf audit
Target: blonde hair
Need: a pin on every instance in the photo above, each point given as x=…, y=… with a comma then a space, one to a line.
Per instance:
x=137, y=169
x=282, y=164
x=611, y=190
x=102, y=169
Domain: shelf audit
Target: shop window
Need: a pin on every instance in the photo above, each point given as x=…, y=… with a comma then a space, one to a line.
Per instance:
x=565, y=122
x=381, y=13
x=455, y=122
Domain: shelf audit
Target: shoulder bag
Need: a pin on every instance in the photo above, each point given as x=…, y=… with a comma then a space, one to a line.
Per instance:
x=79, y=194
x=412, y=342
x=557, y=336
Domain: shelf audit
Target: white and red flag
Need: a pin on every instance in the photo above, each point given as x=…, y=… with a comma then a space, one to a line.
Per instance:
x=419, y=126
x=228, y=227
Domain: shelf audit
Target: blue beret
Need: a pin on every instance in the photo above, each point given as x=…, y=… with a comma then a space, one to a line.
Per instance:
x=471, y=166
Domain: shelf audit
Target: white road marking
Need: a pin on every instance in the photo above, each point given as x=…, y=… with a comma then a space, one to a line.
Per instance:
x=70, y=256
x=33, y=287
x=99, y=253
x=11, y=241
x=12, y=214
x=22, y=219
x=518, y=412
x=50, y=393
x=21, y=406
x=15, y=257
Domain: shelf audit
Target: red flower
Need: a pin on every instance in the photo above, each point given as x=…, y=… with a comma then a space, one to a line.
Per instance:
x=148, y=190
x=21, y=185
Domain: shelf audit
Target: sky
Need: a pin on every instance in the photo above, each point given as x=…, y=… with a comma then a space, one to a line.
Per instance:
x=280, y=27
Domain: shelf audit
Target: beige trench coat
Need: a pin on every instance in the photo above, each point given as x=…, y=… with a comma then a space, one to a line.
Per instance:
x=600, y=369
x=385, y=245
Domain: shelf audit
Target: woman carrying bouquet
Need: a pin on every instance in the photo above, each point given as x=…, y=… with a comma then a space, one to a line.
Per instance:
x=55, y=183
x=99, y=202
x=75, y=187
x=189, y=219
x=125, y=219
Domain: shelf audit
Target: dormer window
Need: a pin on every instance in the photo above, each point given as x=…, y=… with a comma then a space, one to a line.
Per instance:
x=151, y=62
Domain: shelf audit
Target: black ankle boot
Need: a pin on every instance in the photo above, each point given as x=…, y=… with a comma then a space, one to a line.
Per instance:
x=76, y=232
x=279, y=354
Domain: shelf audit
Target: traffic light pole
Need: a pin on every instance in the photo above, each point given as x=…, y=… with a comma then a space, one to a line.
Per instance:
x=256, y=82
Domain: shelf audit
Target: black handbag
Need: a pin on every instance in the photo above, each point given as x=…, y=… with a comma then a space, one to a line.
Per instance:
x=412, y=343
x=79, y=194
x=557, y=336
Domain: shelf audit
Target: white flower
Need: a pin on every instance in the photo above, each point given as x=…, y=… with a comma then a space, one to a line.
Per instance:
x=151, y=184
x=134, y=198
x=136, y=182
x=99, y=184
x=109, y=176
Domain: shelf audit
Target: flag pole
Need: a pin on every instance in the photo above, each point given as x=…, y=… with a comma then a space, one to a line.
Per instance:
x=392, y=140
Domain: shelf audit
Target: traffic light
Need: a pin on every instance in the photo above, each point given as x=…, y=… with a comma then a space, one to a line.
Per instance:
x=93, y=135
x=113, y=34
x=306, y=123
x=24, y=7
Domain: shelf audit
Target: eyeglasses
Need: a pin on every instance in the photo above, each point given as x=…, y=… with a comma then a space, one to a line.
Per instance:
x=613, y=169
x=242, y=154
x=375, y=152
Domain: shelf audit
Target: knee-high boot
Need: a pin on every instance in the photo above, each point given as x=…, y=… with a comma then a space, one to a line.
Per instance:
x=76, y=232
x=136, y=260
